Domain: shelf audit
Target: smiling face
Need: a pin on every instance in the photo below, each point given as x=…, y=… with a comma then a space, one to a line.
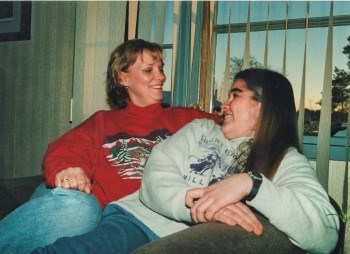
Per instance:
x=241, y=112
x=144, y=79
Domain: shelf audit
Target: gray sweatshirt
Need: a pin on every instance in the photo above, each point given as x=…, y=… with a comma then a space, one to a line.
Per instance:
x=198, y=155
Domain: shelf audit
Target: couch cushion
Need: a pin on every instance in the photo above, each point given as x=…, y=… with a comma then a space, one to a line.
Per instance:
x=218, y=238
x=16, y=191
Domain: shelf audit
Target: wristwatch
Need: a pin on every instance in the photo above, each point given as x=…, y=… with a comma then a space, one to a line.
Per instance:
x=257, y=180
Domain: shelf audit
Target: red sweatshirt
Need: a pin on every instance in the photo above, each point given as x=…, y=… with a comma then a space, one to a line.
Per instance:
x=112, y=146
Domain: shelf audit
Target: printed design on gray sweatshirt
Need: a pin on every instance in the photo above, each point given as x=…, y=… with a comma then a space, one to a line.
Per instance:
x=211, y=160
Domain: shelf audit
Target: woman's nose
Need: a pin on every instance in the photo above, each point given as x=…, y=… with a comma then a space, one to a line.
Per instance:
x=224, y=105
x=160, y=76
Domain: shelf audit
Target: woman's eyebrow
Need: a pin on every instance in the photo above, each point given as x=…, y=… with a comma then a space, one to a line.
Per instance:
x=235, y=90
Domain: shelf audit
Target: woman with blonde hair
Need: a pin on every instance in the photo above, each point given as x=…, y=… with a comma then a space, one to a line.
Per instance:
x=102, y=159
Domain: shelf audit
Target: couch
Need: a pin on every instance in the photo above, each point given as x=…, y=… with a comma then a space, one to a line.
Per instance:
x=16, y=191
x=204, y=238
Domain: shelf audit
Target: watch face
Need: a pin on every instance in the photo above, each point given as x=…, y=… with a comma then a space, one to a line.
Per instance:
x=255, y=175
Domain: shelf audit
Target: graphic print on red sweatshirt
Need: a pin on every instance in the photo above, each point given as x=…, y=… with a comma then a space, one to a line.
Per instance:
x=128, y=154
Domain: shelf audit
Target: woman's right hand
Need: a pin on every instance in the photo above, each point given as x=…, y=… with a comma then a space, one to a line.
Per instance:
x=73, y=178
x=211, y=199
x=239, y=214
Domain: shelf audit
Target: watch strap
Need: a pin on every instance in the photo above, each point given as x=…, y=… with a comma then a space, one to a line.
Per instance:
x=257, y=180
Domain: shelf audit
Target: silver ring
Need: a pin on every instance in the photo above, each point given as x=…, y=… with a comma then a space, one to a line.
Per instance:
x=65, y=179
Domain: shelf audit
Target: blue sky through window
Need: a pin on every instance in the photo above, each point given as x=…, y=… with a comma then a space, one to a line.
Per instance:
x=316, y=48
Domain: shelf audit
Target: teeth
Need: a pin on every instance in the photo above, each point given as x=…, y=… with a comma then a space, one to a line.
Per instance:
x=157, y=87
x=227, y=116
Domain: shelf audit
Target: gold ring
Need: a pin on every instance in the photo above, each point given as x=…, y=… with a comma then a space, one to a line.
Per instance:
x=65, y=179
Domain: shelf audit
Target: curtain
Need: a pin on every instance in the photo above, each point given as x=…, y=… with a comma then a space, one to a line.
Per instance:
x=266, y=51
x=284, y=67
x=132, y=19
x=205, y=71
x=346, y=198
x=227, y=80
x=205, y=90
x=151, y=21
x=145, y=20
x=175, y=39
x=196, y=44
x=182, y=65
x=301, y=114
x=246, y=57
x=323, y=139
x=36, y=78
x=159, y=22
x=188, y=49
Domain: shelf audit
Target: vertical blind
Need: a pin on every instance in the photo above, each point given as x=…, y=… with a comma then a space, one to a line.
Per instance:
x=323, y=140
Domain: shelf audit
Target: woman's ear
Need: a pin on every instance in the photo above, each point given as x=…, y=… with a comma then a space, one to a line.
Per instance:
x=123, y=79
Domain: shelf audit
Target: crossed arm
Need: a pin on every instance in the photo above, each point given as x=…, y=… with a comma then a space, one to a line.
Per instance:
x=222, y=202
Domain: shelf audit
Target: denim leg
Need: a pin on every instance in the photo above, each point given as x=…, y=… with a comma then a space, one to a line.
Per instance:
x=119, y=232
x=47, y=216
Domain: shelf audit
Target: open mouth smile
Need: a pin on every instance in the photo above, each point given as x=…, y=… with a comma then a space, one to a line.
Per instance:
x=157, y=87
x=227, y=116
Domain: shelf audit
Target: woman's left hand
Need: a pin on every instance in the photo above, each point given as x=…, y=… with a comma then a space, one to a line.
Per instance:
x=205, y=202
x=239, y=214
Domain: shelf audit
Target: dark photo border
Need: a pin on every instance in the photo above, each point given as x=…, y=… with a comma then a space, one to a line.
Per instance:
x=25, y=24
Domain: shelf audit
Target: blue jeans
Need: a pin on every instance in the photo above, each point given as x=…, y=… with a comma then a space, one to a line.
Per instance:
x=119, y=232
x=47, y=216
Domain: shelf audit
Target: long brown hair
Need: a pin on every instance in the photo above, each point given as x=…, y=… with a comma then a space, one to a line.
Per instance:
x=277, y=126
x=120, y=60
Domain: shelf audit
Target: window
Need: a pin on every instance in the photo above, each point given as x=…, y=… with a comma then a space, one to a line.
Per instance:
x=295, y=41
x=168, y=50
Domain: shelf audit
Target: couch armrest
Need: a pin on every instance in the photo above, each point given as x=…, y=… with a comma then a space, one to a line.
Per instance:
x=218, y=238
x=16, y=191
